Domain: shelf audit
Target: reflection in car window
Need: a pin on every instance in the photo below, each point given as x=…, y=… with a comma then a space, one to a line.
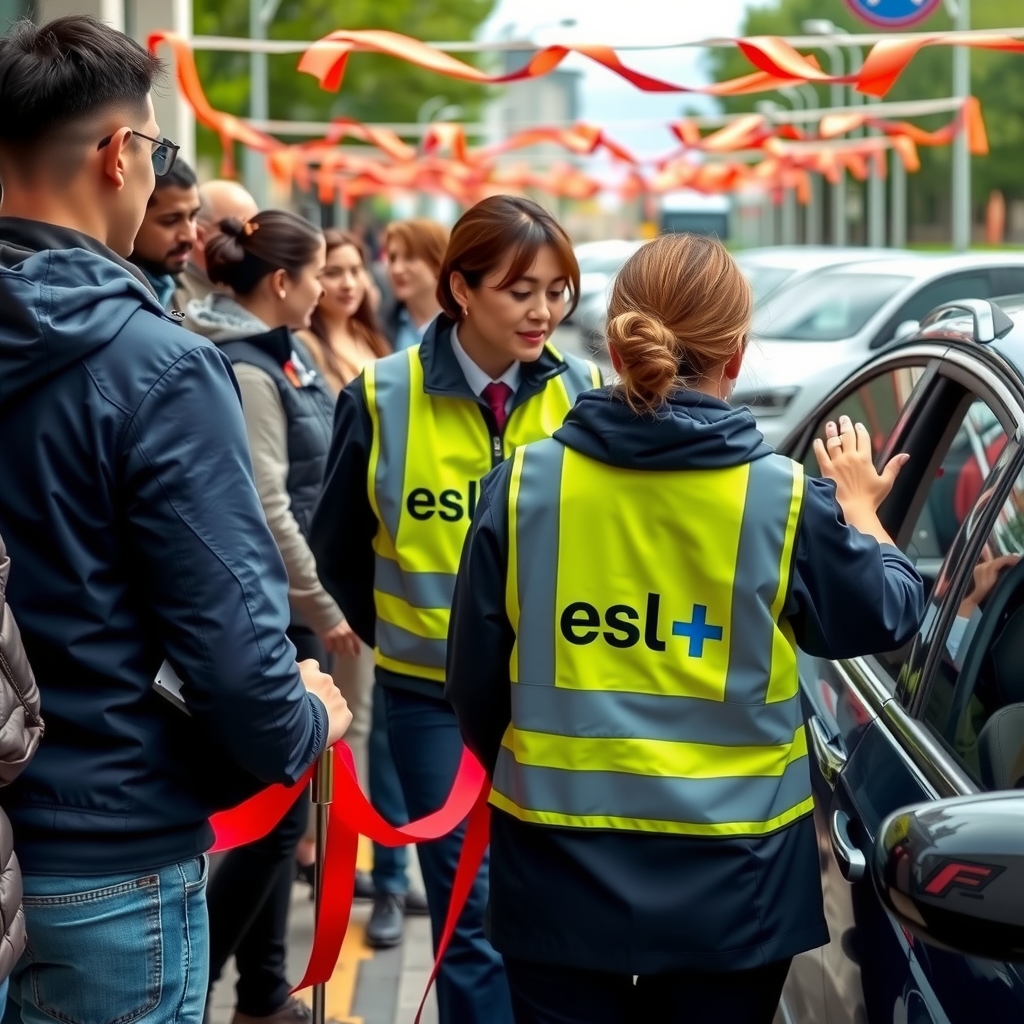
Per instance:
x=877, y=403
x=828, y=307
x=976, y=700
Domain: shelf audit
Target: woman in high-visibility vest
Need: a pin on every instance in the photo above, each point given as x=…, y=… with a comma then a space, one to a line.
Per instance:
x=413, y=436
x=622, y=659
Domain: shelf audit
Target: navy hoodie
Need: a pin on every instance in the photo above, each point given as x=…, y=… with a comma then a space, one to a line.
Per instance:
x=637, y=903
x=135, y=534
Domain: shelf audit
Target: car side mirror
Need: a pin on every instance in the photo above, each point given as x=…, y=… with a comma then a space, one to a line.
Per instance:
x=905, y=329
x=952, y=873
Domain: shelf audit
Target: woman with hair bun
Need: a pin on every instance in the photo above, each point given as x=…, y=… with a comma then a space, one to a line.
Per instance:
x=413, y=435
x=623, y=661
x=272, y=265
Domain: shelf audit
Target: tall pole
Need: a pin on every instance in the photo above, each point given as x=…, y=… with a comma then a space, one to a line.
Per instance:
x=261, y=14
x=876, y=197
x=898, y=224
x=322, y=793
x=835, y=99
x=961, y=207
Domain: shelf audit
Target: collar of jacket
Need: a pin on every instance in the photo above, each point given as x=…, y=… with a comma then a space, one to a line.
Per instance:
x=278, y=343
x=442, y=374
x=38, y=236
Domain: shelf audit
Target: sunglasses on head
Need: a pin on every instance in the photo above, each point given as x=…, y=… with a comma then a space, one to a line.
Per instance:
x=164, y=151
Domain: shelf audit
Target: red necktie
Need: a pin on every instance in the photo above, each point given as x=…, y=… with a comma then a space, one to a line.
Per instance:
x=496, y=395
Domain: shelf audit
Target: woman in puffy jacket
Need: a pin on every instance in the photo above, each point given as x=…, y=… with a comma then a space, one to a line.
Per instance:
x=21, y=728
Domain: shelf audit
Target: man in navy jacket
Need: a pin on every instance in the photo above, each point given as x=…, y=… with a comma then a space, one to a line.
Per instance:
x=136, y=536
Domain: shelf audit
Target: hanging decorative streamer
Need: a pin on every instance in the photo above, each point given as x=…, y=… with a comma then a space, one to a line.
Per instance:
x=445, y=163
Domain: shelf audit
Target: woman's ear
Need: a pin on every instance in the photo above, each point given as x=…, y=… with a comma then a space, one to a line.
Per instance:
x=616, y=360
x=277, y=283
x=732, y=368
x=459, y=288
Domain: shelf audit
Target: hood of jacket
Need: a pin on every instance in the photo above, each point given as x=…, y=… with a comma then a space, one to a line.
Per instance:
x=691, y=431
x=63, y=295
x=219, y=317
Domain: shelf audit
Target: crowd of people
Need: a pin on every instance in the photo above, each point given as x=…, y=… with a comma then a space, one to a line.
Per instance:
x=335, y=496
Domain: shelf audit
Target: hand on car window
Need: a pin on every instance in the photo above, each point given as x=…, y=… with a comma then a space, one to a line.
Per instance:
x=845, y=457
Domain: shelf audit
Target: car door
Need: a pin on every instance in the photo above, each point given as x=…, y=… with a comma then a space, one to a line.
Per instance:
x=869, y=754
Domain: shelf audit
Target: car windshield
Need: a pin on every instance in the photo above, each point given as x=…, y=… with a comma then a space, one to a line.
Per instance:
x=826, y=307
x=763, y=279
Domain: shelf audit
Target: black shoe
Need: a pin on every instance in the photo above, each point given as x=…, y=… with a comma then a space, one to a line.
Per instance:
x=364, y=886
x=416, y=904
x=387, y=922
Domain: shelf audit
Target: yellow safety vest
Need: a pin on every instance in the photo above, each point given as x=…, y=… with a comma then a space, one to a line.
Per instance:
x=654, y=680
x=427, y=456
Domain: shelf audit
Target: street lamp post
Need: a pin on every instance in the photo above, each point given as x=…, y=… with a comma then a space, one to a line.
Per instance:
x=824, y=27
x=960, y=11
x=261, y=14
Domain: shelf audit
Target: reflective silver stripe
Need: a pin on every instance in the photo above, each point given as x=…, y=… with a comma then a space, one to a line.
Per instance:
x=392, y=382
x=420, y=589
x=762, y=540
x=537, y=515
x=652, y=716
x=401, y=645
x=577, y=378
x=620, y=795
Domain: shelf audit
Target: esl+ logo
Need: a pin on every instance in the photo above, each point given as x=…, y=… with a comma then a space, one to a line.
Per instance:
x=581, y=623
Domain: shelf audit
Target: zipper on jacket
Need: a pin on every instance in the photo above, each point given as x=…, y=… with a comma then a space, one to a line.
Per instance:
x=497, y=456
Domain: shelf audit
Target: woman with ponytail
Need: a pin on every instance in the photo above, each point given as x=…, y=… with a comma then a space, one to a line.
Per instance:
x=623, y=661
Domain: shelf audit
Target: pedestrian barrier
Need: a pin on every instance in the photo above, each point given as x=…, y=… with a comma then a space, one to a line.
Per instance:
x=351, y=815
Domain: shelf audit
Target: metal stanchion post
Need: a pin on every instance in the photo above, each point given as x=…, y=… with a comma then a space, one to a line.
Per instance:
x=322, y=794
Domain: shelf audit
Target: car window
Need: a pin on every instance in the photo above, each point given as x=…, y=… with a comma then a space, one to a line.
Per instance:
x=877, y=403
x=764, y=280
x=946, y=289
x=975, y=701
x=828, y=306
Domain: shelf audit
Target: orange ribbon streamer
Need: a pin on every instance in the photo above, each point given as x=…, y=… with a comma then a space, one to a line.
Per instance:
x=446, y=164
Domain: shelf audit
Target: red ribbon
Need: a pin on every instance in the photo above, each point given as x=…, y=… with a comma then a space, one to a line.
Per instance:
x=350, y=816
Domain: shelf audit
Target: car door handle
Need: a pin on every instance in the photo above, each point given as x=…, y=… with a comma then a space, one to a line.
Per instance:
x=830, y=755
x=852, y=862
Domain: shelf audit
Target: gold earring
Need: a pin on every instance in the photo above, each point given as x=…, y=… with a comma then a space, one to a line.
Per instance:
x=283, y=294
x=465, y=312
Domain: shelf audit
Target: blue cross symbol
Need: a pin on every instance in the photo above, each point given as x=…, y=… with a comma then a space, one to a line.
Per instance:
x=698, y=630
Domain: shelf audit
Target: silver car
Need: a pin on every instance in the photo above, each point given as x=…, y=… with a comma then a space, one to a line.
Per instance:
x=813, y=331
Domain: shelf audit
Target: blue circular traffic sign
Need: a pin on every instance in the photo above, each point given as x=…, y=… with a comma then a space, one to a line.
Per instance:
x=892, y=13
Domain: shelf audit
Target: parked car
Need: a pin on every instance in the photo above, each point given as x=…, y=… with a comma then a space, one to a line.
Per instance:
x=766, y=268
x=813, y=331
x=599, y=263
x=769, y=267
x=937, y=726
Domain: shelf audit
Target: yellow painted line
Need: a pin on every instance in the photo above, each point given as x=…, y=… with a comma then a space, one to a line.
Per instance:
x=341, y=989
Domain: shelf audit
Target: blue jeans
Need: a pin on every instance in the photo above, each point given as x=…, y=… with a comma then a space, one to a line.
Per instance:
x=121, y=948
x=427, y=746
x=390, y=863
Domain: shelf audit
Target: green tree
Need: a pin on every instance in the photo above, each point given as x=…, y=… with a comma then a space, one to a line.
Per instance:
x=997, y=79
x=376, y=88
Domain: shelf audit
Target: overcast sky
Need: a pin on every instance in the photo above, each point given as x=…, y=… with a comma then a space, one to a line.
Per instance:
x=607, y=99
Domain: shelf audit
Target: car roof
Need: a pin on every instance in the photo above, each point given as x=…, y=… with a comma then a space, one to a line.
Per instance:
x=801, y=257
x=923, y=265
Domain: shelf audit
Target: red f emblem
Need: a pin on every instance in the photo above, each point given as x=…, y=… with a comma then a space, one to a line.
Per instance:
x=961, y=875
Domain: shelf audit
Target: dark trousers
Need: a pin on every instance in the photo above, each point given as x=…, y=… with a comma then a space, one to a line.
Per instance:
x=389, y=862
x=250, y=894
x=427, y=747
x=547, y=994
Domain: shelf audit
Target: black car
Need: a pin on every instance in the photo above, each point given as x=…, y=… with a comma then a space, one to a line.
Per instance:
x=941, y=718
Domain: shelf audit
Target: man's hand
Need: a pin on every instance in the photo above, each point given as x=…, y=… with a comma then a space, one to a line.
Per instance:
x=342, y=640
x=321, y=685
x=986, y=575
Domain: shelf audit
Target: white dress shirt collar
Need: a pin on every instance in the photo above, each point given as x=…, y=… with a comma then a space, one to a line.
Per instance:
x=475, y=377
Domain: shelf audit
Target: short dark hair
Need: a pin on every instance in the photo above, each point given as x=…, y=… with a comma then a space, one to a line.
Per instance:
x=179, y=176
x=495, y=228
x=243, y=254
x=54, y=74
